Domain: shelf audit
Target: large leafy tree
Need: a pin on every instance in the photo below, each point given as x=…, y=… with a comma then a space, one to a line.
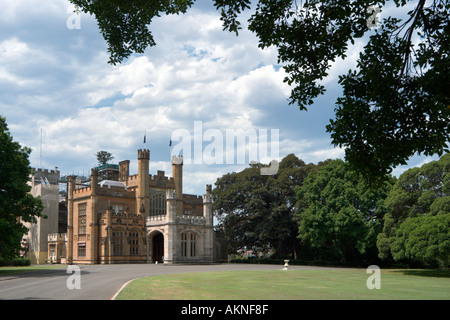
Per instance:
x=395, y=104
x=425, y=239
x=17, y=205
x=416, y=226
x=339, y=216
x=103, y=157
x=256, y=211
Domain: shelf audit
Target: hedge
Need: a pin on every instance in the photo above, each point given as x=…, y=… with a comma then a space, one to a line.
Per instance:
x=18, y=262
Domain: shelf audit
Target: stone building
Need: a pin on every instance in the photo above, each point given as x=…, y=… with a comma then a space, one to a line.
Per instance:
x=139, y=218
x=44, y=183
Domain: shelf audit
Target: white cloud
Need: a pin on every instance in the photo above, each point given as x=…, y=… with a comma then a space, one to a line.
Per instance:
x=11, y=50
x=20, y=11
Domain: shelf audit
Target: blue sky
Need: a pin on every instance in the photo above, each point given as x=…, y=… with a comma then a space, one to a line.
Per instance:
x=57, y=79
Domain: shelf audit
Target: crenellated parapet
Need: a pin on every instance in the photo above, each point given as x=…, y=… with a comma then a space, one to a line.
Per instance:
x=45, y=171
x=45, y=176
x=207, y=198
x=82, y=191
x=156, y=220
x=123, y=217
x=144, y=154
x=133, y=178
x=52, y=237
x=193, y=220
x=177, y=160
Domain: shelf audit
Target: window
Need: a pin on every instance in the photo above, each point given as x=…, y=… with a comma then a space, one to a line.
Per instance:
x=117, y=243
x=134, y=243
x=188, y=244
x=117, y=208
x=157, y=202
x=82, y=218
x=82, y=249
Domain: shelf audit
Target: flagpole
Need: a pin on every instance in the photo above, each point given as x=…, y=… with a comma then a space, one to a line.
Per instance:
x=145, y=140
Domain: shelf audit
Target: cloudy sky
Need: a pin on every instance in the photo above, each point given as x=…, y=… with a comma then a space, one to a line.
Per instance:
x=56, y=86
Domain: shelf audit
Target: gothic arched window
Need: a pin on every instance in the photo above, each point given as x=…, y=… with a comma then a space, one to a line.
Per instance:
x=157, y=202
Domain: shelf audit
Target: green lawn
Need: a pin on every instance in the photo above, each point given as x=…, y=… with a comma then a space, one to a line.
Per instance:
x=290, y=285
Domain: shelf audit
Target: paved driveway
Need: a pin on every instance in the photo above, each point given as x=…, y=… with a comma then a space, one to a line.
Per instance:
x=99, y=282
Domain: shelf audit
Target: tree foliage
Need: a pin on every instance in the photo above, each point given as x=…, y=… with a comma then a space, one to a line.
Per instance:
x=425, y=239
x=256, y=211
x=103, y=157
x=388, y=111
x=395, y=104
x=124, y=24
x=17, y=205
x=339, y=216
x=416, y=226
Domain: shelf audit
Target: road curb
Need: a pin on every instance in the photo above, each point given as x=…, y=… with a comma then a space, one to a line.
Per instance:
x=121, y=288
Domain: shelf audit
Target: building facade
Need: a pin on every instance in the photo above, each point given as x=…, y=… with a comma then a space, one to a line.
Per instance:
x=44, y=183
x=139, y=218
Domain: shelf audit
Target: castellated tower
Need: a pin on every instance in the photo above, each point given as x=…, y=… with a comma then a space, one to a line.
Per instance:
x=142, y=194
x=177, y=172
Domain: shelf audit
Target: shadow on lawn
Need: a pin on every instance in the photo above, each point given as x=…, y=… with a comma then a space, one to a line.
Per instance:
x=434, y=273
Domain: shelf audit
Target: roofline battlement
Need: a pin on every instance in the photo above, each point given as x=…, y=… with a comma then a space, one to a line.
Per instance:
x=177, y=160
x=54, y=171
x=159, y=177
x=133, y=177
x=82, y=190
x=144, y=154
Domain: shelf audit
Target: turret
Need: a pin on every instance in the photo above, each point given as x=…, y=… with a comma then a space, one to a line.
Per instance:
x=94, y=181
x=177, y=172
x=70, y=190
x=171, y=199
x=142, y=195
x=207, y=206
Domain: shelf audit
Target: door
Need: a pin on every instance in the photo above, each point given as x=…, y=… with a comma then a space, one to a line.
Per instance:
x=158, y=248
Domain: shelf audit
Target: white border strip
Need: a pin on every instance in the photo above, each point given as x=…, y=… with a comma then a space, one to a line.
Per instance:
x=121, y=288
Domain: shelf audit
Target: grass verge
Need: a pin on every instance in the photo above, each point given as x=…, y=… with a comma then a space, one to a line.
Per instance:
x=4, y=271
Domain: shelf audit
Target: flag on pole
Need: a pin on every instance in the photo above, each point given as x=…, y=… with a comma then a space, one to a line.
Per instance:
x=145, y=136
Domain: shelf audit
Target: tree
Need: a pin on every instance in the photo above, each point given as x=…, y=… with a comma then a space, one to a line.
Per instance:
x=394, y=105
x=418, y=212
x=17, y=205
x=256, y=211
x=425, y=239
x=338, y=215
x=103, y=157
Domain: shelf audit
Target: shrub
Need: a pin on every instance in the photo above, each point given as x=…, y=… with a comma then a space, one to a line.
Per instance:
x=18, y=262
